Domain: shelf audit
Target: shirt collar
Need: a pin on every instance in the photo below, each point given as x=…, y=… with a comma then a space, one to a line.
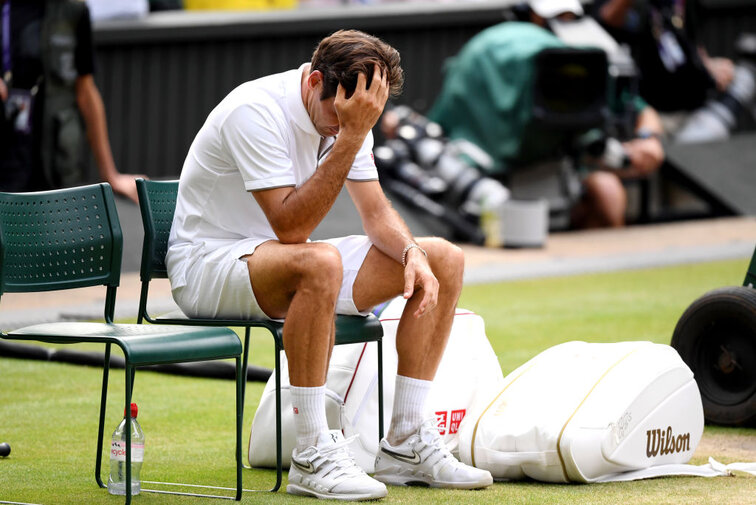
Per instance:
x=293, y=91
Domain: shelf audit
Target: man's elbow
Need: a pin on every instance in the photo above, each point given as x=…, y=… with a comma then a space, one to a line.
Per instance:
x=292, y=238
x=290, y=235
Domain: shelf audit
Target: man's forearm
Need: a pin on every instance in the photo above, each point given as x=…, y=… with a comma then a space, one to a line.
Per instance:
x=92, y=110
x=389, y=233
x=302, y=209
x=648, y=119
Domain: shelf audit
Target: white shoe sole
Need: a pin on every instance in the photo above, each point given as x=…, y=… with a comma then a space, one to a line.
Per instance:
x=408, y=480
x=304, y=491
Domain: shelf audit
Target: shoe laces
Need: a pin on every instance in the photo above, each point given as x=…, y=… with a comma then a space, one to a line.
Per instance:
x=338, y=460
x=429, y=435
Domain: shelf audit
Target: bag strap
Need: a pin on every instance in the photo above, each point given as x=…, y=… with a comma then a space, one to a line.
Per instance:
x=712, y=469
x=543, y=458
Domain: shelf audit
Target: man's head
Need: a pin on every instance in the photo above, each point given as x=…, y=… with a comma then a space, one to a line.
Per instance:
x=342, y=56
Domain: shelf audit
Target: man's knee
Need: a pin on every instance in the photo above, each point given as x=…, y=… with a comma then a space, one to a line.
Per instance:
x=608, y=198
x=446, y=259
x=321, y=269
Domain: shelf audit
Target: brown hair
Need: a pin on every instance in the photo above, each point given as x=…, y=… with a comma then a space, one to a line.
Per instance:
x=343, y=55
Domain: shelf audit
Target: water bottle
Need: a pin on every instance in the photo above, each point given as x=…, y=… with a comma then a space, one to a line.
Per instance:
x=487, y=198
x=117, y=479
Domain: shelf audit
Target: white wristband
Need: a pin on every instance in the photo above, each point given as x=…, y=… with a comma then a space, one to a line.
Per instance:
x=411, y=245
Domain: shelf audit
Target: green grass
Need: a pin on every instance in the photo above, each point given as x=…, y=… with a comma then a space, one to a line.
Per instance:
x=48, y=411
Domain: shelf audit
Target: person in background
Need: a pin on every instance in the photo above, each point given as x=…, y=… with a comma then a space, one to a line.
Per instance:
x=604, y=200
x=47, y=88
x=700, y=96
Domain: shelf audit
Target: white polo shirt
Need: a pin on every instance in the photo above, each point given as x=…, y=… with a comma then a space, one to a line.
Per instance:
x=259, y=137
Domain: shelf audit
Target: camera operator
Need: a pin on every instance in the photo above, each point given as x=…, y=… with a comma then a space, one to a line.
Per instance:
x=502, y=126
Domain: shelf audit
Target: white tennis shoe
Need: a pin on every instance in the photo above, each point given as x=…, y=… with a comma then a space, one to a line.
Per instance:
x=328, y=470
x=423, y=459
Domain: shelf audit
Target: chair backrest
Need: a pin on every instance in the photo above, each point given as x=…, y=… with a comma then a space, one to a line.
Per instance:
x=60, y=239
x=157, y=203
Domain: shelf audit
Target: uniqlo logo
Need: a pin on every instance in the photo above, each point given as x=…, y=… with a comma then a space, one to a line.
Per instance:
x=456, y=418
x=442, y=417
x=296, y=410
x=449, y=421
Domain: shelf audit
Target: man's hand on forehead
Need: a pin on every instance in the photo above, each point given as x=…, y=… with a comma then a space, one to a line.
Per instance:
x=361, y=111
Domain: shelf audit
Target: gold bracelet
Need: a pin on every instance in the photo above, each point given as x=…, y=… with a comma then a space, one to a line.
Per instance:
x=411, y=245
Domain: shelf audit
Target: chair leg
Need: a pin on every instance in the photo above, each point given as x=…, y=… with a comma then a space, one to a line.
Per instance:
x=143, y=301
x=127, y=430
x=101, y=428
x=133, y=378
x=380, y=390
x=241, y=376
x=245, y=362
x=239, y=401
x=279, y=449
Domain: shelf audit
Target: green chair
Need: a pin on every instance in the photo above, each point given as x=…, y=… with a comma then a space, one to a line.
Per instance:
x=157, y=202
x=71, y=238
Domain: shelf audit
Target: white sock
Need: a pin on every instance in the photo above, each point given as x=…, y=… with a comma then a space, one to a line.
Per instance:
x=409, y=408
x=309, y=414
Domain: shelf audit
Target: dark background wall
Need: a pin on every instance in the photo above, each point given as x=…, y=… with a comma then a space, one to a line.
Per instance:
x=159, y=77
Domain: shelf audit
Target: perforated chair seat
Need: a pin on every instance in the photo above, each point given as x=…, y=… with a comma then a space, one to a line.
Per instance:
x=141, y=344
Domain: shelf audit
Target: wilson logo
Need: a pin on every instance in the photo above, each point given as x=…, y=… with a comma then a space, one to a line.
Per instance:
x=660, y=442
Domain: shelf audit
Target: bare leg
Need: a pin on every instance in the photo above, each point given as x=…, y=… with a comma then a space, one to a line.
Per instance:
x=603, y=204
x=300, y=282
x=420, y=341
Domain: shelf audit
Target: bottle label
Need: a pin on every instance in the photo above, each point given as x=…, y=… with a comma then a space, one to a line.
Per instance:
x=118, y=451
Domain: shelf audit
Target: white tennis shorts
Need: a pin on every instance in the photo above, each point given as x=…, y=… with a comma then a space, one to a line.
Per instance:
x=219, y=287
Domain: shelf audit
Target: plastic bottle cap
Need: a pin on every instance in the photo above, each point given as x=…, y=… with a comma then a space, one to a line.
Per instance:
x=134, y=411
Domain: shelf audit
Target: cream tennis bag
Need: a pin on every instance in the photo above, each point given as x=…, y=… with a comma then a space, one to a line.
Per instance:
x=581, y=412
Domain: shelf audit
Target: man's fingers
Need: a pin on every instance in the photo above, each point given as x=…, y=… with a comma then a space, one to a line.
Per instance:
x=378, y=77
x=380, y=83
x=361, y=82
x=420, y=312
x=428, y=303
x=430, y=295
x=409, y=283
x=340, y=93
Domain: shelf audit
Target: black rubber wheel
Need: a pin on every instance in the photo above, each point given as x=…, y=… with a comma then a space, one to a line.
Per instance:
x=716, y=337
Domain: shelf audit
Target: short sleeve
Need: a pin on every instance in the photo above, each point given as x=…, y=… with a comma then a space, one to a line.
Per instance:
x=363, y=168
x=256, y=145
